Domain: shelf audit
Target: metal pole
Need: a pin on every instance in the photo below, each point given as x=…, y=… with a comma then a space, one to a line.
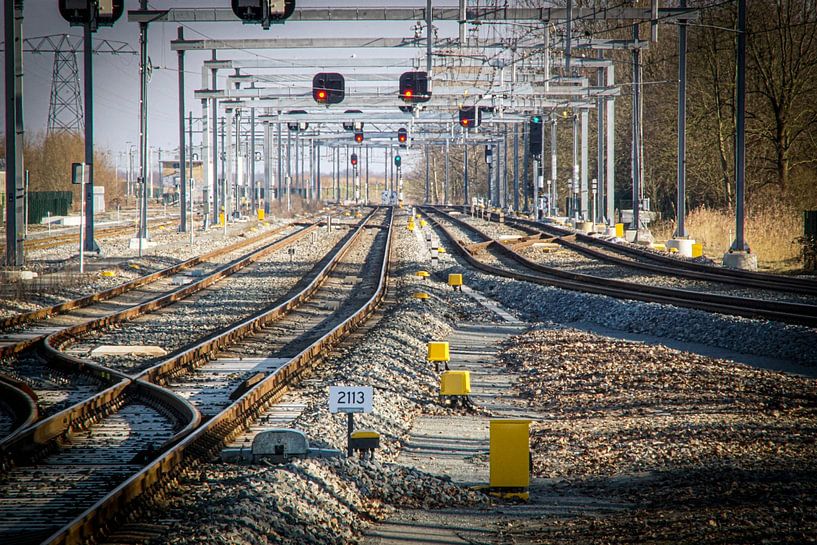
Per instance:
x=367, y=176
x=224, y=161
x=280, y=165
x=428, y=167
x=445, y=180
x=230, y=152
x=13, y=30
x=267, y=168
x=490, y=176
x=636, y=168
x=599, y=147
x=526, y=166
x=189, y=194
x=554, y=205
x=214, y=86
x=504, y=193
x=465, y=168
x=516, y=167
x=346, y=198
x=289, y=170
x=318, y=196
x=584, y=189
x=182, y=154
x=610, y=178
x=251, y=158
x=680, y=215
x=575, y=176
x=143, y=126
x=88, y=50
x=739, y=243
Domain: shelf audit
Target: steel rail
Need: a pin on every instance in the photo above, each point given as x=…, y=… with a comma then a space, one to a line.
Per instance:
x=689, y=269
x=62, y=308
x=39, y=437
x=212, y=434
x=750, y=308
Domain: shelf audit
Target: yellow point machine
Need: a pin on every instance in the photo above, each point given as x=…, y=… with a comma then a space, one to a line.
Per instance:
x=509, y=458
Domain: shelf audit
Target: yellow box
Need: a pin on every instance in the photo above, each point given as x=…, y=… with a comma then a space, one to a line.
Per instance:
x=421, y=295
x=260, y=214
x=454, y=280
x=411, y=226
x=422, y=274
x=221, y=218
x=620, y=230
x=509, y=456
x=455, y=383
x=440, y=250
x=438, y=351
x=697, y=249
x=423, y=223
x=659, y=247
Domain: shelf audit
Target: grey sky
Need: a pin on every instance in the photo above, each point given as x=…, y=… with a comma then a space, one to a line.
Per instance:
x=116, y=89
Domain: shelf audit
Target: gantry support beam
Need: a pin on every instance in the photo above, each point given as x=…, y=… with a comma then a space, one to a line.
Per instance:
x=476, y=15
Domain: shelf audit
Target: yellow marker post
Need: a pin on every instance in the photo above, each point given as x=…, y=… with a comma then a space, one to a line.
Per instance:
x=260, y=214
x=509, y=458
x=620, y=230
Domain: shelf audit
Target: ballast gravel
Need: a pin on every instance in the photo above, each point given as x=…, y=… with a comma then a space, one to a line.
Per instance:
x=331, y=501
x=683, y=448
x=538, y=303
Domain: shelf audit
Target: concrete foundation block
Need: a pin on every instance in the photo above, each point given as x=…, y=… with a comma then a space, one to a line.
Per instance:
x=134, y=244
x=740, y=260
x=683, y=245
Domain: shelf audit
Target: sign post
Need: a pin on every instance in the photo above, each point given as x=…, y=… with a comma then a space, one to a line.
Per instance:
x=350, y=400
x=78, y=173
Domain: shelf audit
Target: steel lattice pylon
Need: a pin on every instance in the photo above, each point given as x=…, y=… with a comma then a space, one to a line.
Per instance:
x=65, y=113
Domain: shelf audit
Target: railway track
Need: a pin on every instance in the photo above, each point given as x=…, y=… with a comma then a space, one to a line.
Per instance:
x=58, y=384
x=503, y=260
x=44, y=242
x=630, y=256
x=201, y=373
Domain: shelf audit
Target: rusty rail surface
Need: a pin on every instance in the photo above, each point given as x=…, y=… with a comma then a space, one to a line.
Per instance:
x=39, y=438
x=666, y=264
x=200, y=444
x=722, y=304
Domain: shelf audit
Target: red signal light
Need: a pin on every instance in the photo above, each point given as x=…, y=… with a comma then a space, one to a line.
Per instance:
x=465, y=122
x=321, y=95
x=408, y=93
x=358, y=137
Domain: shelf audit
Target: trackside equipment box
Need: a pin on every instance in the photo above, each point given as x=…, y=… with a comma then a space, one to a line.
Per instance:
x=438, y=351
x=510, y=457
x=455, y=383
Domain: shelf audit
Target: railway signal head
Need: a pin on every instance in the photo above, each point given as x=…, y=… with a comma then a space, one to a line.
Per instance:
x=328, y=88
x=352, y=125
x=402, y=135
x=353, y=159
x=95, y=13
x=469, y=117
x=297, y=125
x=263, y=11
x=414, y=87
x=359, y=136
x=398, y=161
x=535, y=140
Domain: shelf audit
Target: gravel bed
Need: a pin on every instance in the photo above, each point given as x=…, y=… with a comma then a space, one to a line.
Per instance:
x=60, y=280
x=331, y=501
x=237, y=297
x=567, y=259
x=700, y=450
x=55, y=390
x=538, y=303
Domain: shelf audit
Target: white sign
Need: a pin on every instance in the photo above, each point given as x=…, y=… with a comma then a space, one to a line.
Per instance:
x=350, y=399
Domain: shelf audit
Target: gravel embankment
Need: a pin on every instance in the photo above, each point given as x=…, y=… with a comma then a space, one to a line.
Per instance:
x=570, y=260
x=697, y=450
x=332, y=501
x=537, y=303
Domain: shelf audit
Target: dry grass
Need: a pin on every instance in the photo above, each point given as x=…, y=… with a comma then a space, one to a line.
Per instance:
x=772, y=230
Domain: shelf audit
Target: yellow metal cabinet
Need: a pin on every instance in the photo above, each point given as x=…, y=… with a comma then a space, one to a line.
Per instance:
x=510, y=457
x=455, y=383
x=438, y=351
x=454, y=280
